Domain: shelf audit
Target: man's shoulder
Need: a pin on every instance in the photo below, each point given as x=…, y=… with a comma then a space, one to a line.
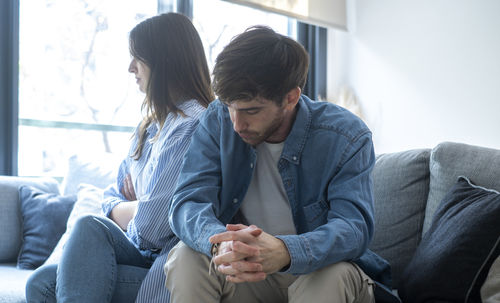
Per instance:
x=216, y=107
x=328, y=116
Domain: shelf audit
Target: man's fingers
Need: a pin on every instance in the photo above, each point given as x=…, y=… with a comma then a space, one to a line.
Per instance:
x=245, y=249
x=243, y=235
x=225, y=236
x=235, y=227
x=256, y=232
x=239, y=267
x=228, y=257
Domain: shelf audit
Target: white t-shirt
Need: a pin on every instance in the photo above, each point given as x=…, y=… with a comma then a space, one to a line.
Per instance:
x=266, y=203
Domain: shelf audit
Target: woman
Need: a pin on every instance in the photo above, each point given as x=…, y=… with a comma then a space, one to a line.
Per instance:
x=121, y=257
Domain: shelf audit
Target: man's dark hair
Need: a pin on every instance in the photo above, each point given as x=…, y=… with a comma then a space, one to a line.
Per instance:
x=259, y=63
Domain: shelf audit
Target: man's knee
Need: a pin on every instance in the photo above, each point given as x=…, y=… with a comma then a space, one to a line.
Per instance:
x=343, y=279
x=184, y=263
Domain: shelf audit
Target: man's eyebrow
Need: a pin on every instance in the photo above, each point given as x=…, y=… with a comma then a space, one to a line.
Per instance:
x=249, y=108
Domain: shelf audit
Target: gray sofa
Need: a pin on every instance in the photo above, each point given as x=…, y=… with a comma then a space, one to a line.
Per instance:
x=408, y=187
x=13, y=280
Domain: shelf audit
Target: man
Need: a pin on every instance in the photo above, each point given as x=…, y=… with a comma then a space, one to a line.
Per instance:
x=294, y=177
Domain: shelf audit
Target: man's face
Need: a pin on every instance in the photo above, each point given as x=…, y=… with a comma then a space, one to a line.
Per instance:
x=257, y=120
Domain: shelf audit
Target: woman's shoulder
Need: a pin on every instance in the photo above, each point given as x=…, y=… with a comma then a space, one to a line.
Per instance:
x=191, y=109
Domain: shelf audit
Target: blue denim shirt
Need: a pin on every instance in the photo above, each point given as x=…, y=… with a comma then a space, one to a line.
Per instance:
x=325, y=166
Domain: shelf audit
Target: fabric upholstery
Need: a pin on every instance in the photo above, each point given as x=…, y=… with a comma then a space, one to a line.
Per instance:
x=44, y=221
x=453, y=259
x=451, y=160
x=490, y=291
x=12, y=283
x=401, y=185
x=10, y=213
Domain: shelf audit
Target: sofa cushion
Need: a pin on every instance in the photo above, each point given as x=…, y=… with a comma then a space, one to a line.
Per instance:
x=44, y=222
x=401, y=185
x=13, y=283
x=10, y=213
x=451, y=160
x=452, y=261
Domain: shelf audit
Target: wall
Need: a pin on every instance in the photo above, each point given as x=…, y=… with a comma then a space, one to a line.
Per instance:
x=424, y=71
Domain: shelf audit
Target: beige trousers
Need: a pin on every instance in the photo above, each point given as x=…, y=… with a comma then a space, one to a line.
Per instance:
x=188, y=280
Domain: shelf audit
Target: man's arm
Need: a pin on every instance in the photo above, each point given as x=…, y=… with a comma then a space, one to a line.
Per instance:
x=196, y=200
x=348, y=230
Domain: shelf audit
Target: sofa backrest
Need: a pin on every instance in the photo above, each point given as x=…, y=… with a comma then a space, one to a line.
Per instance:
x=449, y=161
x=10, y=212
x=401, y=186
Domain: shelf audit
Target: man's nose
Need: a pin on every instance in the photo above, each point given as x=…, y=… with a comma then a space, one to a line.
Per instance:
x=239, y=123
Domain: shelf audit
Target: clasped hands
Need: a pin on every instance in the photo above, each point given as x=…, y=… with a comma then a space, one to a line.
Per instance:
x=248, y=254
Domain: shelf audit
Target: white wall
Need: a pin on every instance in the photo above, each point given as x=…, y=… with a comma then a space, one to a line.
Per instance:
x=424, y=71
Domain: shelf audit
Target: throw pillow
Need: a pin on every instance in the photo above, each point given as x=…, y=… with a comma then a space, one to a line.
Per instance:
x=99, y=170
x=44, y=221
x=453, y=258
x=88, y=202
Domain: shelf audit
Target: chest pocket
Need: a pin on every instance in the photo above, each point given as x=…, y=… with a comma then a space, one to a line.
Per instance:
x=316, y=214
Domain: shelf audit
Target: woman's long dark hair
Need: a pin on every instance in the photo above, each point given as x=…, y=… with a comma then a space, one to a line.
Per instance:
x=172, y=49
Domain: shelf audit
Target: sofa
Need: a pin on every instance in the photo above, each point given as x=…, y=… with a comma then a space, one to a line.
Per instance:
x=408, y=189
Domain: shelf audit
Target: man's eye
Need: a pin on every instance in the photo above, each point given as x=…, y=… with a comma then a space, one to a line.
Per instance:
x=252, y=112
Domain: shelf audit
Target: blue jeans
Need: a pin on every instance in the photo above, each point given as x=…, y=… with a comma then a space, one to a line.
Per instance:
x=99, y=264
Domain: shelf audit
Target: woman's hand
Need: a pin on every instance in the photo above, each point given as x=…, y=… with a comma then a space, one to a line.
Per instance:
x=128, y=189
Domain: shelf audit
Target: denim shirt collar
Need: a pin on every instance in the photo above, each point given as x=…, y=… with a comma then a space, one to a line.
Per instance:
x=294, y=143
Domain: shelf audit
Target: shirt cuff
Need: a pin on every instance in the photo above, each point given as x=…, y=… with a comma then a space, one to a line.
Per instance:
x=300, y=253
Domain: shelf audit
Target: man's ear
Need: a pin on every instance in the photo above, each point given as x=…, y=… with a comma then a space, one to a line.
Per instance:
x=292, y=97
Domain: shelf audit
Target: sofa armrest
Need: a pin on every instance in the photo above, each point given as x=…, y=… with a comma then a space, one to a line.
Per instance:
x=10, y=214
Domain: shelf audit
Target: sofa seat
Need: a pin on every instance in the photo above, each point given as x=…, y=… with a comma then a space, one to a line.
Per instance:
x=12, y=282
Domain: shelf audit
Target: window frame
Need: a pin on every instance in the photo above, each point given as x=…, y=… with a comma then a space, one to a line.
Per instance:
x=9, y=83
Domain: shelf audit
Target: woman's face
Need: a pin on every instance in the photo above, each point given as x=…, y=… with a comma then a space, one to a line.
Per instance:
x=141, y=72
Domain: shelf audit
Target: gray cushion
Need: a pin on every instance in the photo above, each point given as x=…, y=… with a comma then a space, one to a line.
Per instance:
x=44, y=222
x=451, y=160
x=401, y=185
x=10, y=213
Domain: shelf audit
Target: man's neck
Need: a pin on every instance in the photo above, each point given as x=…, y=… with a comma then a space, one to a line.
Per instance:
x=285, y=128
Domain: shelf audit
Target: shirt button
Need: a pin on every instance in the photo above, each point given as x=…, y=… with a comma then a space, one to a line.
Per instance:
x=294, y=158
x=235, y=200
x=251, y=165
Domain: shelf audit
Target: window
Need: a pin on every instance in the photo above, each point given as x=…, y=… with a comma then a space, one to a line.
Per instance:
x=218, y=21
x=75, y=92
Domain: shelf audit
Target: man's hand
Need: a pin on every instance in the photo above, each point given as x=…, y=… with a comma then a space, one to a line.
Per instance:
x=248, y=254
